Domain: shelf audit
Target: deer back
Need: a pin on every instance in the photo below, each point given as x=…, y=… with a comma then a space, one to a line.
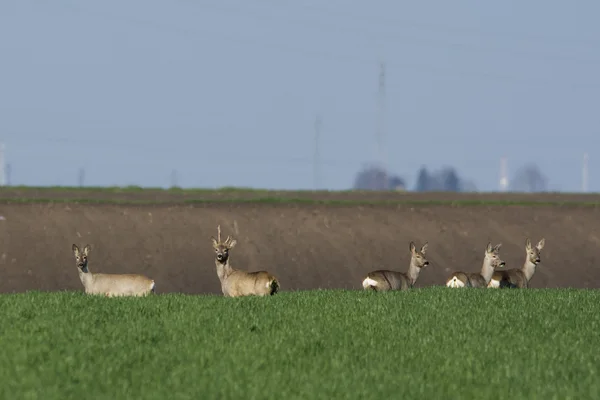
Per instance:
x=476, y=280
x=508, y=278
x=389, y=280
x=120, y=285
x=242, y=283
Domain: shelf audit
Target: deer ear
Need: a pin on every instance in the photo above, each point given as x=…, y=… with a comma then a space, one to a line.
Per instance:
x=86, y=249
x=232, y=243
x=541, y=243
x=214, y=242
x=75, y=249
x=497, y=247
x=489, y=248
x=528, y=244
x=411, y=247
x=424, y=248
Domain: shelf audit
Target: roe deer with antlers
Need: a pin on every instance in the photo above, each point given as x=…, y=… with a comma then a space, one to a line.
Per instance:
x=235, y=282
x=110, y=284
x=383, y=280
x=519, y=278
x=491, y=261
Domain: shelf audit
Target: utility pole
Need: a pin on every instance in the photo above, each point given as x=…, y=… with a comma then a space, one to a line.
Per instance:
x=503, y=175
x=81, y=177
x=8, y=174
x=317, y=156
x=174, y=178
x=584, y=173
x=379, y=134
x=2, y=172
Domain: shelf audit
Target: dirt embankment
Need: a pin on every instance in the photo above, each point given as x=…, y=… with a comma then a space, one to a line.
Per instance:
x=306, y=246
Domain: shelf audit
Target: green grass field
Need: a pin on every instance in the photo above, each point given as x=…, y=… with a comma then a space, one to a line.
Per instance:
x=425, y=343
x=135, y=195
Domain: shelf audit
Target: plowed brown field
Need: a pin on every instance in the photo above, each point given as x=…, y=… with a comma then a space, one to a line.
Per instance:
x=306, y=245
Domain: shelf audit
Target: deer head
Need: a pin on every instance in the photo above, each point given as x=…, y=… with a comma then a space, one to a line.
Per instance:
x=222, y=248
x=533, y=253
x=81, y=257
x=418, y=257
x=492, y=255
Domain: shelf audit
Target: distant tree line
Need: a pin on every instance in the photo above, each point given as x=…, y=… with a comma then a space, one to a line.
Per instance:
x=376, y=178
x=528, y=178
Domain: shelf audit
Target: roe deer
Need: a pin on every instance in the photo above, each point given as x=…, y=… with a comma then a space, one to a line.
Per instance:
x=491, y=260
x=383, y=280
x=519, y=278
x=110, y=284
x=235, y=282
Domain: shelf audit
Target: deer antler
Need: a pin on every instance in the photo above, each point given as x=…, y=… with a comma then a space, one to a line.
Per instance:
x=219, y=233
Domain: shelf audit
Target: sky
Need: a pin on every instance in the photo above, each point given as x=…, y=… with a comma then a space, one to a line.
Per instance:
x=227, y=92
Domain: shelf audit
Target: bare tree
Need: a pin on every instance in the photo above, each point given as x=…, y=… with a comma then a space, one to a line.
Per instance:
x=444, y=180
x=424, y=183
x=529, y=179
x=375, y=178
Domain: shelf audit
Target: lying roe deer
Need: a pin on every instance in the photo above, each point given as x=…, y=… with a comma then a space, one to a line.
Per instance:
x=110, y=284
x=235, y=282
x=491, y=261
x=519, y=278
x=383, y=280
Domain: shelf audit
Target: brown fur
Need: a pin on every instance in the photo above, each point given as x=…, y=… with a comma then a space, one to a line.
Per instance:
x=519, y=278
x=383, y=280
x=480, y=279
x=235, y=282
x=110, y=284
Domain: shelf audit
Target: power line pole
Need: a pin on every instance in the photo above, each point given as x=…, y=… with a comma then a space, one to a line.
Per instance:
x=584, y=173
x=8, y=174
x=317, y=156
x=81, y=177
x=381, y=125
x=2, y=172
x=503, y=175
x=174, y=178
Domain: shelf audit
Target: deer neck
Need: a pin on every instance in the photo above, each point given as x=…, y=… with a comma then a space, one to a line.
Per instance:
x=413, y=271
x=85, y=276
x=528, y=269
x=223, y=269
x=487, y=270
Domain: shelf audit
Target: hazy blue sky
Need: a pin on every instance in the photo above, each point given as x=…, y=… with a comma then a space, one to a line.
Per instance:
x=226, y=92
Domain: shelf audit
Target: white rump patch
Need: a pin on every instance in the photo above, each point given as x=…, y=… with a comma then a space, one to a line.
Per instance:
x=368, y=282
x=494, y=284
x=152, y=285
x=455, y=283
x=268, y=285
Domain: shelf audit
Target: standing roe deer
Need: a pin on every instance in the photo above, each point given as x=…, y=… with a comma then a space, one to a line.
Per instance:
x=491, y=260
x=235, y=282
x=519, y=278
x=383, y=280
x=110, y=284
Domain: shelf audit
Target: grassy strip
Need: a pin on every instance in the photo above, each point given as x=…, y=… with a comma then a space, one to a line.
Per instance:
x=426, y=343
x=128, y=189
x=171, y=190
x=293, y=200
